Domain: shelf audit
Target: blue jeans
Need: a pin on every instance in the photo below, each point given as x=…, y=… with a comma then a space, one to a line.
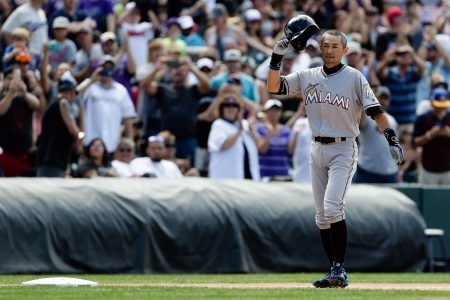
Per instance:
x=49, y=171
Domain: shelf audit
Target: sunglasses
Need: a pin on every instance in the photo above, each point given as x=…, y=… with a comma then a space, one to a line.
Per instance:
x=125, y=150
x=401, y=53
x=170, y=145
x=230, y=105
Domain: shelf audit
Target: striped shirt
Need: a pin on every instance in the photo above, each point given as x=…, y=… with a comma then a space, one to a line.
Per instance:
x=276, y=161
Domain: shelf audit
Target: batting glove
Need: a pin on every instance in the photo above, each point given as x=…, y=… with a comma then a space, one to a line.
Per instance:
x=280, y=49
x=394, y=147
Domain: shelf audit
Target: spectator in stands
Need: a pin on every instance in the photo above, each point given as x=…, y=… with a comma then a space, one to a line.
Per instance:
x=222, y=36
x=232, y=59
x=59, y=132
x=374, y=161
x=363, y=63
x=273, y=142
x=401, y=80
x=436, y=80
x=31, y=16
x=232, y=142
x=76, y=18
x=373, y=27
x=124, y=64
x=170, y=150
x=408, y=170
x=20, y=38
x=123, y=156
x=188, y=35
x=139, y=33
x=398, y=33
x=96, y=152
x=106, y=105
x=432, y=133
x=154, y=165
x=87, y=169
x=437, y=60
x=258, y=43
x=17, y=105
x=178, y=101
x=61, y=49
x=172, y=40
x=149, y=108
x=88, y=56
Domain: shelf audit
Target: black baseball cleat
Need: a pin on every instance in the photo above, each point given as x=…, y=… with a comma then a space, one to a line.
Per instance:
x=324, y=282
x=338, y=277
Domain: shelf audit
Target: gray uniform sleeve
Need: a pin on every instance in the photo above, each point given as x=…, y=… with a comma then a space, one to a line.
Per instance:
x=366, y=96
x=290, y=84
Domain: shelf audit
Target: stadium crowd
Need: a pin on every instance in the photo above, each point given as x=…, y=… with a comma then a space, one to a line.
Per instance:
x=166, y=89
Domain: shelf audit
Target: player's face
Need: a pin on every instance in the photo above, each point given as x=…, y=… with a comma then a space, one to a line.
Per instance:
x=332, y=50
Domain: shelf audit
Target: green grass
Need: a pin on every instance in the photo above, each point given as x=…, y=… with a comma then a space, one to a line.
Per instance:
x=16, y=291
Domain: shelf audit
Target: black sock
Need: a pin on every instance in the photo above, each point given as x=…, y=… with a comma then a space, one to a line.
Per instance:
x=325, y=237
x=339, y=240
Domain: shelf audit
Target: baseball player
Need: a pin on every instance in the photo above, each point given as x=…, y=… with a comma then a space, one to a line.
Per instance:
x=335, y=95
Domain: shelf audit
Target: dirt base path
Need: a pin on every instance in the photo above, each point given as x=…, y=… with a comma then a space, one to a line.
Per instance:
x=292, y=285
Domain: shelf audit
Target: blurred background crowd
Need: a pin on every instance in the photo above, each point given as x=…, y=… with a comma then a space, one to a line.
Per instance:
x=165, y=89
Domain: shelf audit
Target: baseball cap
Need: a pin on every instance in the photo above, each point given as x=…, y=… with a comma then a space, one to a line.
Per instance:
x=130, y=5
x=312, y=43
x=232, y=55
x=61, y=22
x=107, y=59
x=67, y=82
x=172, y=21
x=372, y=11
x=186, y=22
x=382, y=90
x=440, y=98
x=354, y=47
x=273, y=103
x=394, y=12
x=108, y=36
x=252, y=15
x=205, y=63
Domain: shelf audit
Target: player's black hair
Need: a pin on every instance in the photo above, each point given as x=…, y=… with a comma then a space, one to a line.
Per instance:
x=338, y=33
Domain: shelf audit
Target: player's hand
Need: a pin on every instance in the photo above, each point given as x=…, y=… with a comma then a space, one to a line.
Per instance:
x=394, y=146
x=281, y=47
x=397, y=153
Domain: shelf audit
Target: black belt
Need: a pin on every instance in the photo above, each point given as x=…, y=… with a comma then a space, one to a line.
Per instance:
x=328, y=140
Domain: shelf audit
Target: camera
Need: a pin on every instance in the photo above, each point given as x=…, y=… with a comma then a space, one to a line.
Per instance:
x=175, y=63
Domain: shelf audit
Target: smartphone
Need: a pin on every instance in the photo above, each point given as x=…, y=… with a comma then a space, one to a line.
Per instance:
x=175, y=63
x=16, y=75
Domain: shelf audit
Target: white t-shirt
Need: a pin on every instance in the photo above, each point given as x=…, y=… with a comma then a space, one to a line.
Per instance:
x=138, y=36
x=162, y=169
x=104, y=110
x=122, y=169
x=302, y=151
x=230, y=163
x=33, y=20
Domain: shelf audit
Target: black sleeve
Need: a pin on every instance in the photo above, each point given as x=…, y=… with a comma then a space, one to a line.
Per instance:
x=283, y=87
x=374, y=110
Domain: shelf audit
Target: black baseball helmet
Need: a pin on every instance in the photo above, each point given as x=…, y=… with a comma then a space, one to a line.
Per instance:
x=299, y=29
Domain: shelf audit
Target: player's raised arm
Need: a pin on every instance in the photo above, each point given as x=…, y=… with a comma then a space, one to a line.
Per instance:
x=273, y=78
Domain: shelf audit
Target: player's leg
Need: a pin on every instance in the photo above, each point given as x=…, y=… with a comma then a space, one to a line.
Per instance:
x=319, y=179
x=342, y=169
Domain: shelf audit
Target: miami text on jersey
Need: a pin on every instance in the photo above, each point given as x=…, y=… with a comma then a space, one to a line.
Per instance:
x=314, y=96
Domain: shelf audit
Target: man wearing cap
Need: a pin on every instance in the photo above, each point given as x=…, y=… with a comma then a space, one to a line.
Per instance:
x=59, y=132
x=88, y=56
x=232, y=60
x=61, y=49
x=432, y=133
x=125, y=66
x=106, y=105
x=17, y=105
x=188, y=35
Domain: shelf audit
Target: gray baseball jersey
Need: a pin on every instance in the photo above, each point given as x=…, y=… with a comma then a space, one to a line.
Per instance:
x=333, y=104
